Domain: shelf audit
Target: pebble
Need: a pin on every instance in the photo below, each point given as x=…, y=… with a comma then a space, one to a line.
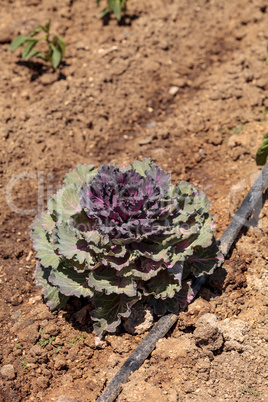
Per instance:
x=145, y=141
x=8, y=372
x=173, y=90
x=140, y=320
x=207, y=333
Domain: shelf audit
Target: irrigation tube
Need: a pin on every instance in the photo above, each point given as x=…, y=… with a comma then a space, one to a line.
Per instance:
x=163, y=325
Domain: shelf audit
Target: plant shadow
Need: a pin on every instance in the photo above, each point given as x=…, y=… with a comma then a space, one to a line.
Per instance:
x=38, y=69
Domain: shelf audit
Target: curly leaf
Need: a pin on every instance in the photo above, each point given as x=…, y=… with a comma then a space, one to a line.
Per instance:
x=173, y=305
x=141, y=166
x=53, y=297
x=42, y=226
x=203, y=260
x=81, y=174
x=65, y=203
x=70, y=282
x=109, y=310
x=163, y=285
x=144, y=269
x=71, y=244
x=108, y=280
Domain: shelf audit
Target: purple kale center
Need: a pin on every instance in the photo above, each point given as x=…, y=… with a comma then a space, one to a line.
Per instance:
x=124, y=204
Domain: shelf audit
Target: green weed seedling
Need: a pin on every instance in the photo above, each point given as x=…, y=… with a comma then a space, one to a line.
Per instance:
x=56, y=46
x=116, y=6
x=78, y=338
x=23, y=364
x=251, y=391
x=44, y=342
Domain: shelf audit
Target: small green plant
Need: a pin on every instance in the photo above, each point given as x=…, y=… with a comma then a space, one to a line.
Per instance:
x=56, y=46
x=116, y=6
x=262, y=153
x=44, y=342
x=23, y=364
x=81, y=337
x=18, y=346
x=238, y=129
x=72, y=342
x=251, y=391
x=42, y=331
x=58, y=349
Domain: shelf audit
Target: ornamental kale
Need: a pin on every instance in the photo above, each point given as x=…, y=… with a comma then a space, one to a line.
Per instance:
x=116, y=236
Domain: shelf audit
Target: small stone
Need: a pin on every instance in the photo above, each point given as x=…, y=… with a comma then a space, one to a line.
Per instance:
x=199, y=307
x=15, y=315
x=60, y=363
x=207, y=333
x=233, y=330
x=29, y=334
x=140, y=320
x=42, y=382
x=8, y=372
x=52, y=330
x=99, y=343
x=145, y=141
x=16, y=300
x=173, y=90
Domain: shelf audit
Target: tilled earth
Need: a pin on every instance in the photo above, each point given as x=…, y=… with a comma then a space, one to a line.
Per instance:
x=184, y=83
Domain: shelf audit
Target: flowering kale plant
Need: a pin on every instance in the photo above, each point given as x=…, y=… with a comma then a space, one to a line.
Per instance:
x=116, y=236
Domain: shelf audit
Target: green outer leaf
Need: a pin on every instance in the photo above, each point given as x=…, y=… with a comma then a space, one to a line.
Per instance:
x=19, y=41
x=106, y=279
x=163, y=285
x=206, y=236
x=141, y=166
x=46, y=27
x=71, y=244
x=47, y=222
x=262, y=153
x=155, y=252
x=36, y=30
x=116, y=7
x=60, y=43
x=30, y=44
x=42, y=243
x=55, y=56
x=174, y=304
x=35, y=53
x=80, y=175
x=203, y=260
x=70, y=282
x=54, y=299
x=65, y=203
x=109, y=310
x=143, y=269
x=104, y=12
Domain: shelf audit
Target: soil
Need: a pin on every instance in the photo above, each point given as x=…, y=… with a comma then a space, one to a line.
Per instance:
x=184, y=83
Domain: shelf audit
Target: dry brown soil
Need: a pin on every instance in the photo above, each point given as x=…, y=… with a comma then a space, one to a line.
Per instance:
x=185, y=83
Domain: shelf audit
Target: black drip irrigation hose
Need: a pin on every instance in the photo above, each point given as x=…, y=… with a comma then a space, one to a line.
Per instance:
x=164, y=324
